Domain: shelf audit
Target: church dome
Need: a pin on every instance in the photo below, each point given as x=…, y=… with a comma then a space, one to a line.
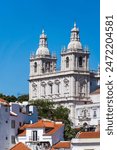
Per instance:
x=74, y=39
x=42, y=51
x=74, y=45
x=43, y=47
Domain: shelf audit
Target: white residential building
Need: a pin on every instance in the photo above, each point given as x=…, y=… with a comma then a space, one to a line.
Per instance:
x=86, y=141
x=14, y=115
x=41, y=135
x=21, y=113
x=72, y=84
x=4, y=125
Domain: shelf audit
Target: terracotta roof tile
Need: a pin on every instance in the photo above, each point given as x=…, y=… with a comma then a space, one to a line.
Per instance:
x=62, y=144
x=56, y=127
x=20, y=146
x=41, y=124
x=24, y=126
x=88, y=135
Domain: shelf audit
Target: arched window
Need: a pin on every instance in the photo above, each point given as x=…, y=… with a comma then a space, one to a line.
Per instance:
x=57, y=86
x=43, y=89
x=35, y=67
x=58, y=89
x=51, y=89
x=80, y=61
x=67, y=62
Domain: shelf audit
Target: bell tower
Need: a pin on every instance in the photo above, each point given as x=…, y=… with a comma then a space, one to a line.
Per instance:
x=74, y=57
x=42, y=62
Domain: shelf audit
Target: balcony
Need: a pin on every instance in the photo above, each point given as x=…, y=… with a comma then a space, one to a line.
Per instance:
x=33, y=139
x=82, y=118
x=39, y=145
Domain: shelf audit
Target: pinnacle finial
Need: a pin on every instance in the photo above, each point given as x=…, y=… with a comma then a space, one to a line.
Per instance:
x=75, y=24
x=43, y=31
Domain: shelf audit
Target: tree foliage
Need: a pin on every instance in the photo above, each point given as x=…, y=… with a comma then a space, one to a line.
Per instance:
x=24, y=97
x=13, y=98
x=8, y=98
x=47, y=109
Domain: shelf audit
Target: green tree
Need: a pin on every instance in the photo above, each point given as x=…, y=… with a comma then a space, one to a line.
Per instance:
x=12, y=98
x=47, y=109
x=8, y=98
x=24, y=97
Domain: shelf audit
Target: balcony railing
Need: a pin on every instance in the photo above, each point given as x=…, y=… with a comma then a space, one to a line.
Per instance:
x=33, y=139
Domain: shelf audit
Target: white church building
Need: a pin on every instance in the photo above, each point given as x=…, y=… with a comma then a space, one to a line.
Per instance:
x=72, y=84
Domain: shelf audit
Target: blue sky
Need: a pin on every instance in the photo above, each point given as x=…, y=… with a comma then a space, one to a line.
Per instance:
x=21, y=22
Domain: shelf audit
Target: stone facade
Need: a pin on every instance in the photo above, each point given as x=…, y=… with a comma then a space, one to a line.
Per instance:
x=70, y=86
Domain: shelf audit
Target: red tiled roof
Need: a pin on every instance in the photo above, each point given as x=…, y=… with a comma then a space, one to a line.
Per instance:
x=4, y=102
x=20, y=146
x=97, y=91
x=24, y=126
x=62, y=144
x=41, y=124
x=56, y=127
x=88, y=135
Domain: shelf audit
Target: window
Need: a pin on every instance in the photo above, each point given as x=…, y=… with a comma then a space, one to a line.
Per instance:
x=50, y=88
x=13, y=139
x=35, y=67
x=47, y=66
x=20, y=109
x=67, y=62
x=6, y=121
x=6, y=138
x=80, y=61
x=34, y=134
x=12, y=123
x=58, y=88
x=94, y=114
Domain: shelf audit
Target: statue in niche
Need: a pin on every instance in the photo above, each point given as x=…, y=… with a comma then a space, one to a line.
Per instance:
x=84, y=112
